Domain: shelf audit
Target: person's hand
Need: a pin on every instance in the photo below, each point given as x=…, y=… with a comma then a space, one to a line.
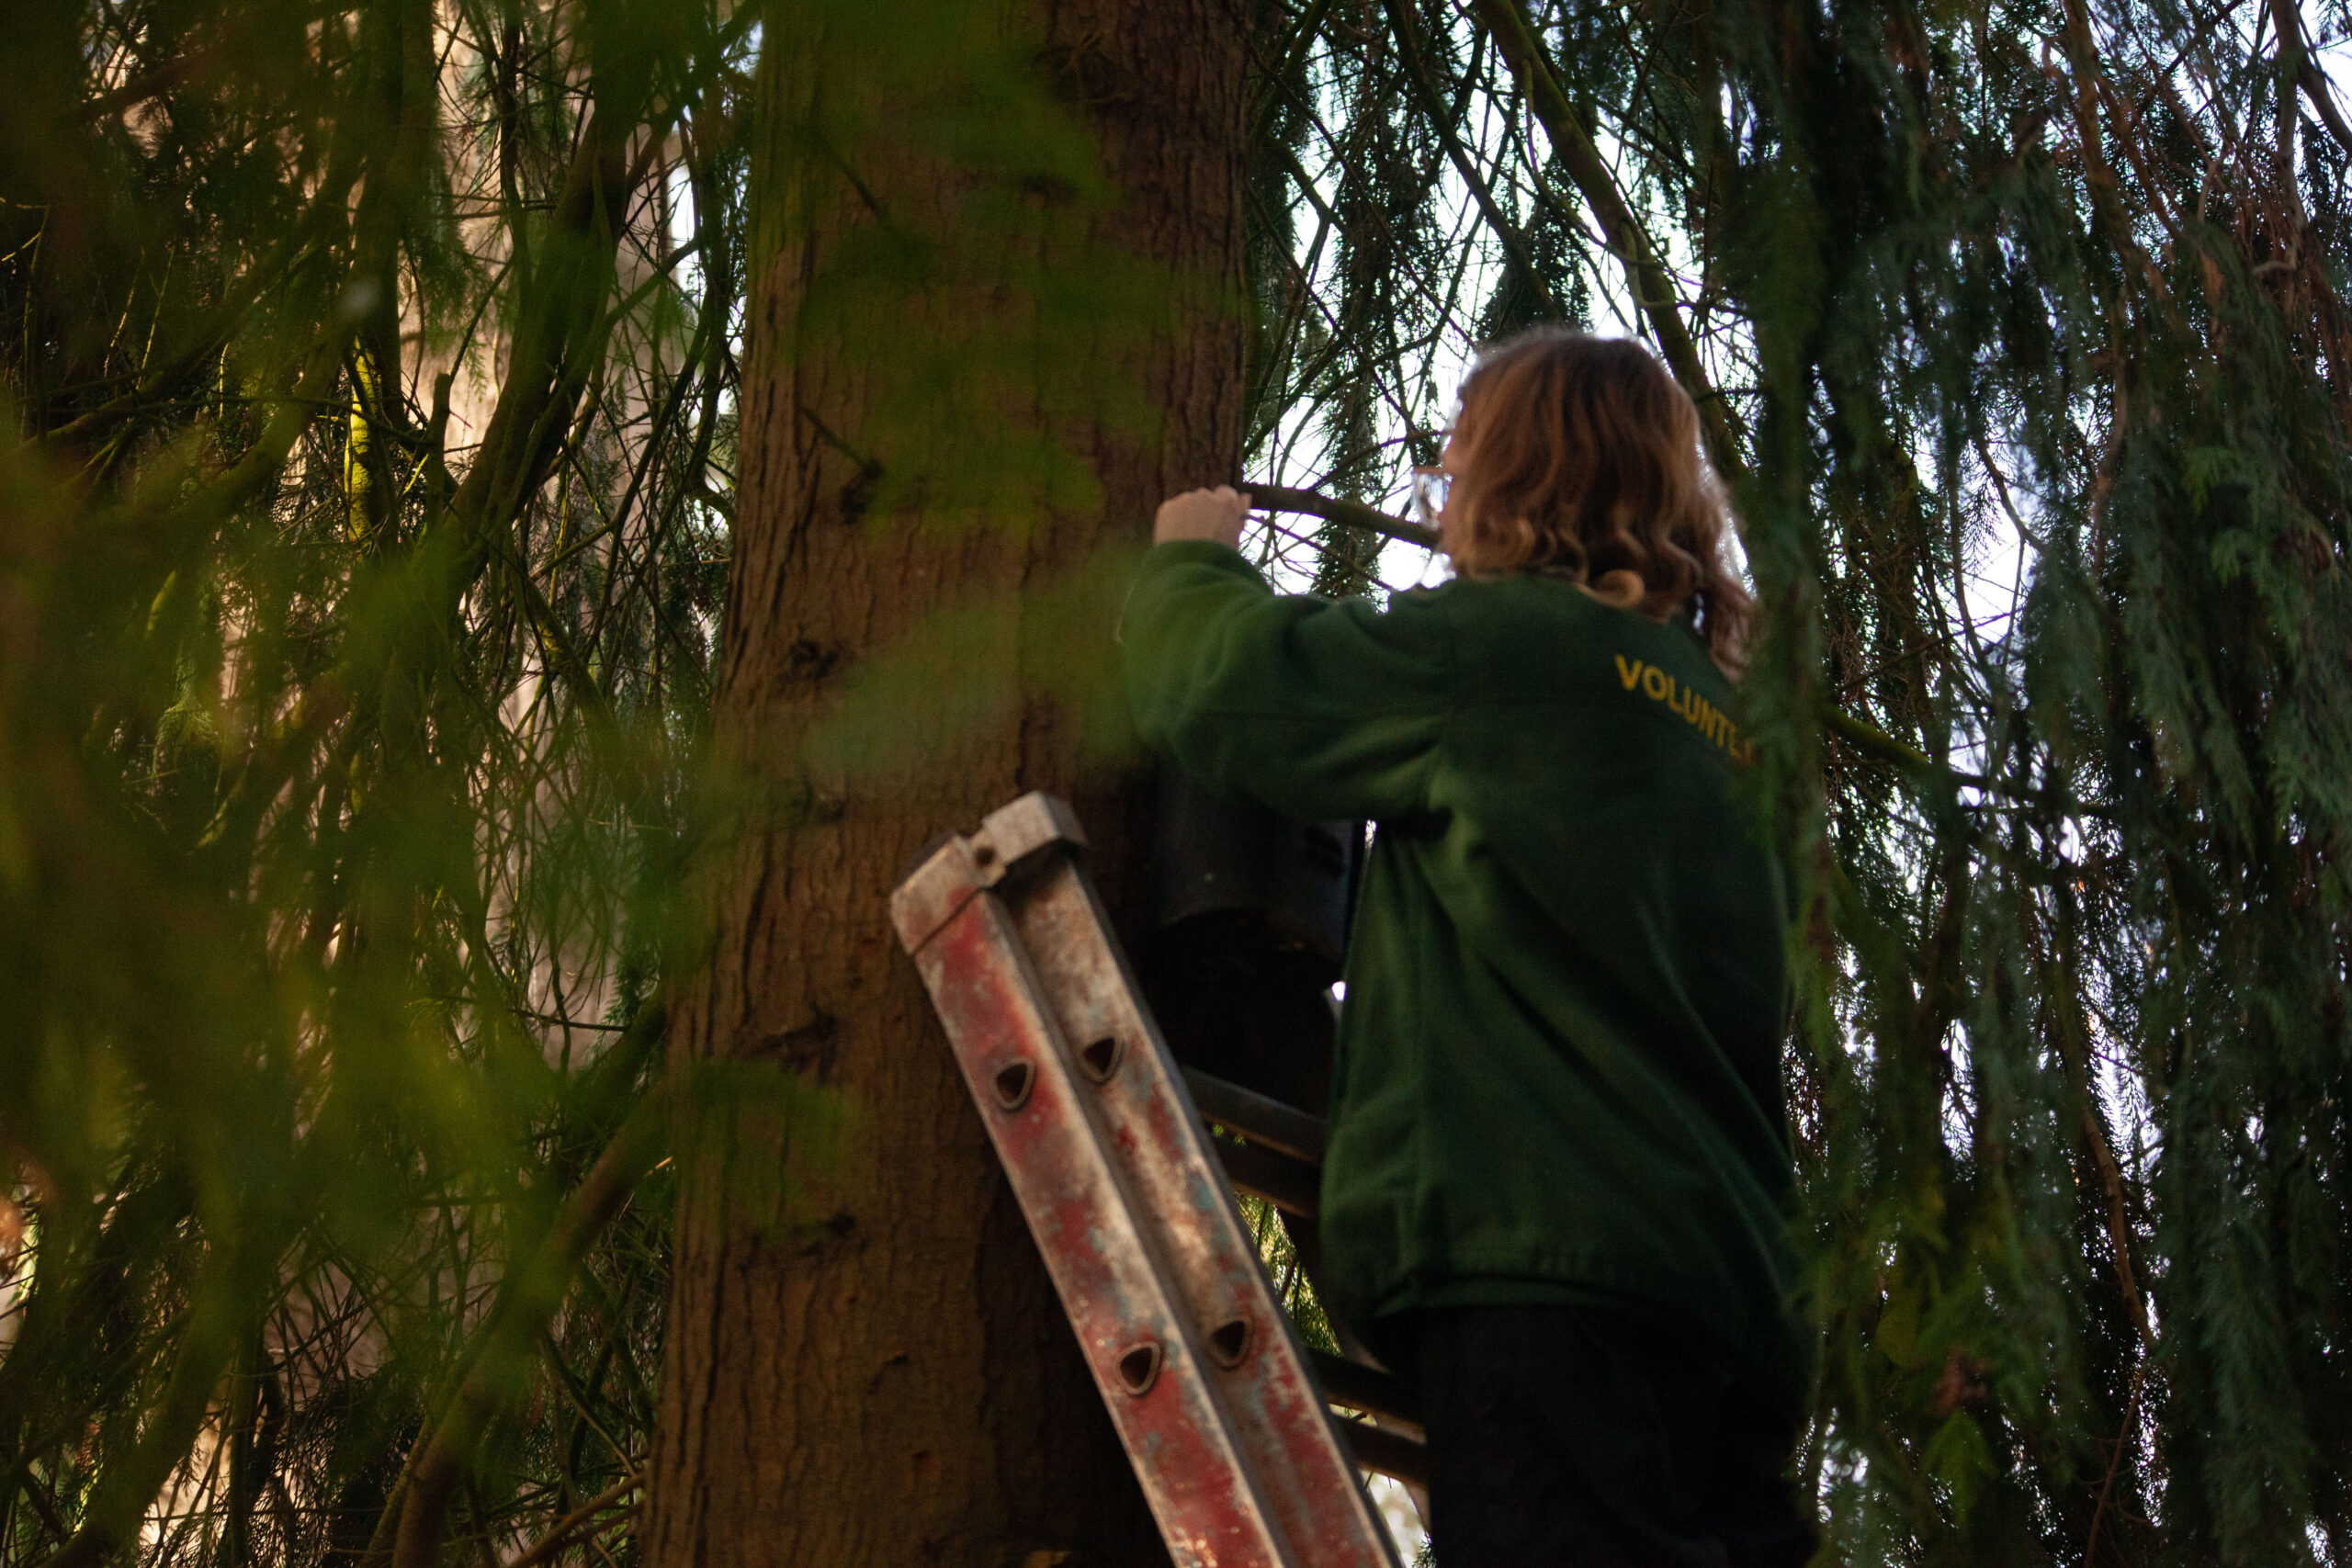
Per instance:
x=1215, y=515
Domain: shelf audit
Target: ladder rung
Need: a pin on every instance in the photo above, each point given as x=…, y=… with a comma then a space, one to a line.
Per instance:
x=1284, y=1182
x=1360, y=1387
x=1390, y=1453
x=1256, y=1117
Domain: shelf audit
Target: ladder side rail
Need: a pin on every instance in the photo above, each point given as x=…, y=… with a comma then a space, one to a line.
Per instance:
x=1135, y=1334
x=1149, y=1120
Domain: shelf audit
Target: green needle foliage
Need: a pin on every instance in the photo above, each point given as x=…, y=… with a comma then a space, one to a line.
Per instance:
x=371, y=370
x=370, y=386
x=2025, y=326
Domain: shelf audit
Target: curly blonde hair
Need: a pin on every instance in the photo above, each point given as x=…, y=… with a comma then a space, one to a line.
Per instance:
x=1578, y=456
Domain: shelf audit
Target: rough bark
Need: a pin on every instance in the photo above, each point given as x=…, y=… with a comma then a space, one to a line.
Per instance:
x=870, y=1367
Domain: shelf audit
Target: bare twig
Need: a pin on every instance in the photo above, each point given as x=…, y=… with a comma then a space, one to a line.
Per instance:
x=1416, y=75
x=552, y=1543
x=1653, y=290
x=1346, y=513
x=168, y=78
x=528, y=1298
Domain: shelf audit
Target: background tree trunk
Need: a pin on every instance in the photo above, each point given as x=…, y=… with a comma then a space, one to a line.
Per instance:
x=869, y=1367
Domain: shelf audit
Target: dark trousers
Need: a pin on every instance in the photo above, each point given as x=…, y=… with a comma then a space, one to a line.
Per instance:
x=1586, y=1439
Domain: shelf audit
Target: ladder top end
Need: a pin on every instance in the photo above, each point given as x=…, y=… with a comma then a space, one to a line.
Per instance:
x=1029, y=824
x=958, y=867
x=931, y=893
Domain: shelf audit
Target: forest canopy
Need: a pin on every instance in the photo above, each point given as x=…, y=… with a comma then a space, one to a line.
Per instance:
x=373, y=375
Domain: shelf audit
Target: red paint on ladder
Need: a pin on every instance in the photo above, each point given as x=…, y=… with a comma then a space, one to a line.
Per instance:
x=1207, y=1509
x=1279, y=1422
x=1129, y=1204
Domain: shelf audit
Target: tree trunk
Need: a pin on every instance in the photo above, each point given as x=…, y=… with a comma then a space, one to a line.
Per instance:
x=970, y=378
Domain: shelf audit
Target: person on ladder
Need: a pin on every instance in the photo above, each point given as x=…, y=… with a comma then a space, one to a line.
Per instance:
x=1559, y=1179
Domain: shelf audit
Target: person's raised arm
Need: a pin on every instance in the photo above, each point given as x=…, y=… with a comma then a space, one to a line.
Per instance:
x=1318, y=708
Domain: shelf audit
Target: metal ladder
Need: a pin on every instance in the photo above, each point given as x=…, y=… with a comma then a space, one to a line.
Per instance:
x=1225, y=1414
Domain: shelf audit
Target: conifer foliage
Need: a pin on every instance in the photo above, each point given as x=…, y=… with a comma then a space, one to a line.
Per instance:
x=364, y=515
x=363, y=521
x=2020, y=332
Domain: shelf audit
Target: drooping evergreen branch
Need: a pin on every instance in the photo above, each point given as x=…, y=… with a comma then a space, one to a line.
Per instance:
x=568, y=1529
x=207, y=1342
x=221, y=328
x=562, y=325
x=2323, y=99
x=1418, y=77
x=529, y=1297
x=1653, y=288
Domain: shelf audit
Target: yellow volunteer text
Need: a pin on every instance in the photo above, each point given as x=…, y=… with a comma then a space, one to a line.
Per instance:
x=1696, y=711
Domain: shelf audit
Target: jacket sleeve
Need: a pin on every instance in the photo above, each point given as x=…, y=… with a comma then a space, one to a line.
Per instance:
x=1319, y=709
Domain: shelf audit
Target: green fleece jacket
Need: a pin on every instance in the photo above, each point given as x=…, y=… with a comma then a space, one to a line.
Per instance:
x=1558, y=1072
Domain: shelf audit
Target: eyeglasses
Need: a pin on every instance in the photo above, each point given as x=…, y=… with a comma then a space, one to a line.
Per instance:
x=1431, y=487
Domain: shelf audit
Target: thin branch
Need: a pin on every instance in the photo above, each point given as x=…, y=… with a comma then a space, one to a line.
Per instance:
x=168, y=78
x=528, y=1298
x=2323, y=99
x=1653, y=290
x=552, y=1543
x=1346, y=513
x=1416, y=76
